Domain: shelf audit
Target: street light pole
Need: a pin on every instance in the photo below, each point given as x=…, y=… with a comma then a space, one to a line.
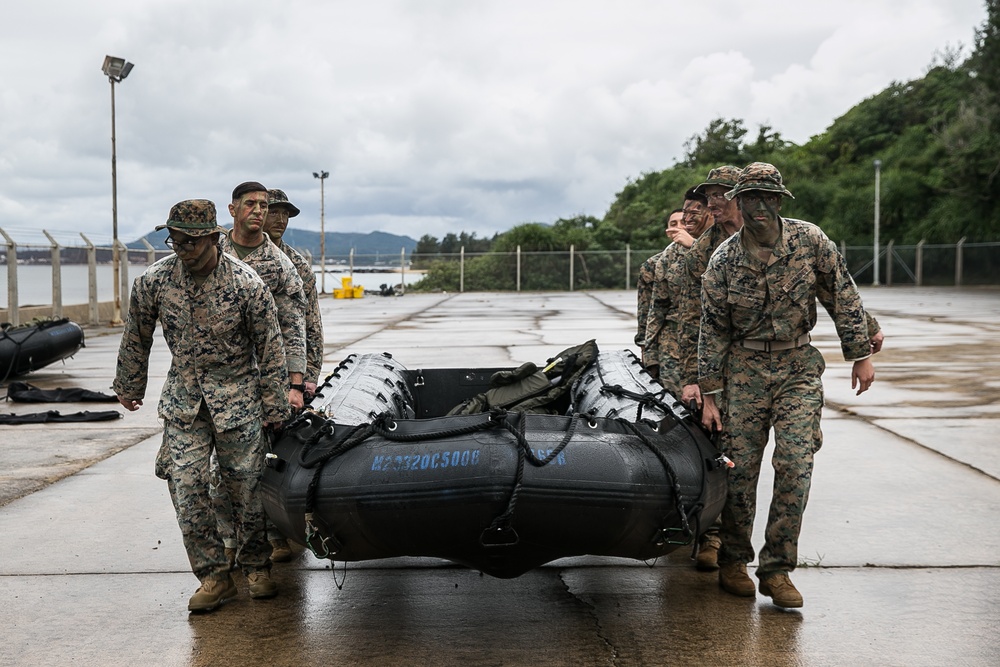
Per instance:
x=116, y=69
x=878, y=169
x=322, y=176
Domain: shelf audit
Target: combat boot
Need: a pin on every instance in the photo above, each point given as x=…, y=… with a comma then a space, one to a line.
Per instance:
x=708, y=553
x=733, y=579
x=280, y=552
x=231, y=558
x=781, y=590
x=212, y=593
x=260, y=584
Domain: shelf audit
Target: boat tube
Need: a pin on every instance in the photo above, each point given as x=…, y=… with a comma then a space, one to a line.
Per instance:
x=28, y=348
x=381, y=469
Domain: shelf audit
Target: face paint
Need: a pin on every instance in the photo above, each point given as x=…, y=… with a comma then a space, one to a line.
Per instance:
x=760, y=211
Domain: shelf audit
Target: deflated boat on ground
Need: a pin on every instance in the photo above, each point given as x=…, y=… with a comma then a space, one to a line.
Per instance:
x=501, y=470
x=33, y=346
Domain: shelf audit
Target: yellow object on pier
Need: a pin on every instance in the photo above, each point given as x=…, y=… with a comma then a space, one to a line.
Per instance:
x=349, y=290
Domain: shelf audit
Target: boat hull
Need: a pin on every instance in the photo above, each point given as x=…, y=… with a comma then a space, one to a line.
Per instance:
x=503, y=493
x=30, y=348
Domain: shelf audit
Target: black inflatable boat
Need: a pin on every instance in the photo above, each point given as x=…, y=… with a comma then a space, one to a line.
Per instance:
x=459, y=464
x=31, y=347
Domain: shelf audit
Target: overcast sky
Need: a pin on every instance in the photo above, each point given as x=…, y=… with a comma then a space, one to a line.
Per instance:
x=431, y=116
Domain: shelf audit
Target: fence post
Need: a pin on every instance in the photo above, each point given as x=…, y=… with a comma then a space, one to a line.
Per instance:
x=350, y=258
x=123, y=283
x=150, y=252
x=628, y=265
x=888, y=263
x=55, y=254
x=571, y=247
x=958, y=262
x=13, y=310
x=95, y=316
x=920, y=263
x=518, y=267
x=402, y=269
x=461, y=269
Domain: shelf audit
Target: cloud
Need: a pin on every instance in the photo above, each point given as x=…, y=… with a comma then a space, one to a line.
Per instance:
x=431, y=116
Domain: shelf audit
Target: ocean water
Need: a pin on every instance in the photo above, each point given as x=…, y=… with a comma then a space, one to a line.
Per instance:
x=34, y=282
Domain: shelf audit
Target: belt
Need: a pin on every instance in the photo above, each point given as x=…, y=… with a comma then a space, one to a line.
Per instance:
x=774, y=345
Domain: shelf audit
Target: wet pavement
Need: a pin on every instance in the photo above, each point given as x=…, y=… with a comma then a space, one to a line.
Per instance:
x=899, y=557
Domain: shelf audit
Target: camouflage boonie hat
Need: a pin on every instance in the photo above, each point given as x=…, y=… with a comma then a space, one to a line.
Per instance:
x=278, y=199
x=760, y=176
x=726, y=175
x=194, y=217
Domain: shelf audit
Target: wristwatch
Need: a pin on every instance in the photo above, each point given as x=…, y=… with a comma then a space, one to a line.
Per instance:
x=300, y=387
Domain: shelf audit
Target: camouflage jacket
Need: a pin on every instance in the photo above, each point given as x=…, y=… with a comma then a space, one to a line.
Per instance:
x=280, y=276
x=689, y=301
x=742, y=298
x=223, y=338
x=644, y=297
x=314, y=321
x=662, y=322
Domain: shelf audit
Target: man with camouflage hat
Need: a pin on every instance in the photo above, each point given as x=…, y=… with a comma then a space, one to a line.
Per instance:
x=226, y=380
x=726, y=221
x=279, y=211
x=759, y=297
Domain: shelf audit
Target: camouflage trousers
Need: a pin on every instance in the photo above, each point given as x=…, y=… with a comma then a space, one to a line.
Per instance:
x=183, y=460
x=668, y=356
x=224, y=508
x=783, y=390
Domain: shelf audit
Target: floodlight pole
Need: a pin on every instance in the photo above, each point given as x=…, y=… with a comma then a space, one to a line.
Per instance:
x=116, y=69
x=322, y=176
x=878, y=169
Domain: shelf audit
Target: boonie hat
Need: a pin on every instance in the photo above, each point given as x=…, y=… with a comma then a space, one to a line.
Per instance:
x=194, y=217
x=278, y=199
x=726, y=175
x=759, y=176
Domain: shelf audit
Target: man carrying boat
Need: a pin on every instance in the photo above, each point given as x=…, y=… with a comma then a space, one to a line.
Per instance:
x=759, y=297
x=226, y=382
x=663, y=324
x=248, y=242
x=279, y=211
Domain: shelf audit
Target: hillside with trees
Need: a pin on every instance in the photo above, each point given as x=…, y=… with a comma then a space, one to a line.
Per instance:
x=937, y=139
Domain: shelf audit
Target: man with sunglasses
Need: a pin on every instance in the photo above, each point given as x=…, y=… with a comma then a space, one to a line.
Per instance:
x=757, y=370
x=226, y=382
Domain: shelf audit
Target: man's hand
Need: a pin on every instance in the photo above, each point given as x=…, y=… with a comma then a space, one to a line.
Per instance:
x=681, y=236
x=862, y=375
x=310, y=390
x=691, y=392
x=296, y=399
x=711, y=419
x=130, y=404
x=876, y=342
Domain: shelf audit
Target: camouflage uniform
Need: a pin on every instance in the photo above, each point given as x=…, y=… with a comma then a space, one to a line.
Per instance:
x=227, y=372
x=277, y=199
x=662, y=325
x=644, y=297
x=280, y=275
x=313, y=318
x=745, y=299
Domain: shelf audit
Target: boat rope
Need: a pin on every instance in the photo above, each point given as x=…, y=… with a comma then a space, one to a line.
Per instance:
x=682, y=510
x=4, y=336
x=501, y=532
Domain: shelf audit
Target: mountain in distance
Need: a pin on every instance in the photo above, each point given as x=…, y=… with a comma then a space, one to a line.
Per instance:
x=367, y=247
